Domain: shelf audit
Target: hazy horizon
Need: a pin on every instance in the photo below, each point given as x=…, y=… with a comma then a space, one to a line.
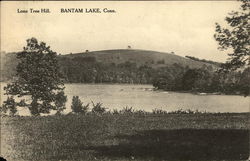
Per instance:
x=185, y=28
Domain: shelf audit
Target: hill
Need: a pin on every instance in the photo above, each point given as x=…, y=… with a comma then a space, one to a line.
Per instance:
x=165, y=71
x=112, y=66
x=8, y=65
x=140, y=57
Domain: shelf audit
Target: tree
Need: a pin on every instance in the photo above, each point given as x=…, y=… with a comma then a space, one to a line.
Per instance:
x=196, y=80
x=77, y=106
x=38, y=77
x=244, y=82
x=236, y=37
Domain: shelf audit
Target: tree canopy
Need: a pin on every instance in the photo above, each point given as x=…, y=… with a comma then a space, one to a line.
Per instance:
x=235, y=37
x=38, y=78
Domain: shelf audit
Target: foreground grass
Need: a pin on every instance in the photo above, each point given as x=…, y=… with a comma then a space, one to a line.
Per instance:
x=222, y=136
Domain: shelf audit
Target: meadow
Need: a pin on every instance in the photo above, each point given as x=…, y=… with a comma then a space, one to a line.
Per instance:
x=126, y=136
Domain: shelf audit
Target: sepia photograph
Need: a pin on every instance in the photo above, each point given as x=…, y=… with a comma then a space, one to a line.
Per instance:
x=125, y=80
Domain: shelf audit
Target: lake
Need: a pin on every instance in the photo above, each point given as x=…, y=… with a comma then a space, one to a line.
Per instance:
x=117, y=96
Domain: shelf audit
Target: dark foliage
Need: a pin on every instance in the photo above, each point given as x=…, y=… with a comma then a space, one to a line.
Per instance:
x=10, y=105
x=236, y=37
x=88, y=70
x=205, y=80
x=78, y=107
x=98, y=108
x=175, y=77
x=38, y=77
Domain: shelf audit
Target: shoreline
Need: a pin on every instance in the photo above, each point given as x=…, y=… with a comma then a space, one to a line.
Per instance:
x=153, y=88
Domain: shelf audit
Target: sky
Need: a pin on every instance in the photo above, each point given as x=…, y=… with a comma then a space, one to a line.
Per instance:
x=182, y=27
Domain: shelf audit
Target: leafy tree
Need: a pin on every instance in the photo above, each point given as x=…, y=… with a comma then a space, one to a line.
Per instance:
x=38, y=77
x=77, y=106
x=236, y=37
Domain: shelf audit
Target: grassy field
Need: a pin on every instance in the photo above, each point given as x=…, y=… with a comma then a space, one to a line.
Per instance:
x=141, y=57
x=126, y=137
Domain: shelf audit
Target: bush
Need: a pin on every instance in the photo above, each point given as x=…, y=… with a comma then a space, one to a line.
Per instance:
x=141, y=112
x=159, y=111
x=115, y=112
x=77, y=106
x=127, y=110
x=97, y=108
x=9, y=105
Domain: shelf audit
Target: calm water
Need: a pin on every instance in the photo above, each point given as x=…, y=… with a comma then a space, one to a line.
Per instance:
x=143, y=97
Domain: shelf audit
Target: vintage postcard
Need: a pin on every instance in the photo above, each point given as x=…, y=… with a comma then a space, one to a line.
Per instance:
x=125, y=80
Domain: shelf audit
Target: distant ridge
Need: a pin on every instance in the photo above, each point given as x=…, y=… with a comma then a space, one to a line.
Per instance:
x=141, y=57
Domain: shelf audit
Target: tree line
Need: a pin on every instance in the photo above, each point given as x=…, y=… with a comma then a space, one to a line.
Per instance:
x=88, y=70
x=208, y=81
x=203, y=60
x=172, y=78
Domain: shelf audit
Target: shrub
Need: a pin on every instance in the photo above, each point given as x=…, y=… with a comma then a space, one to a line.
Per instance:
x=77, y=106
x=187, y=111
x=127, y=110
x=115, y=112
x=9, y=105
x=97, y=108
x=159, y=111
x=141, y=112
